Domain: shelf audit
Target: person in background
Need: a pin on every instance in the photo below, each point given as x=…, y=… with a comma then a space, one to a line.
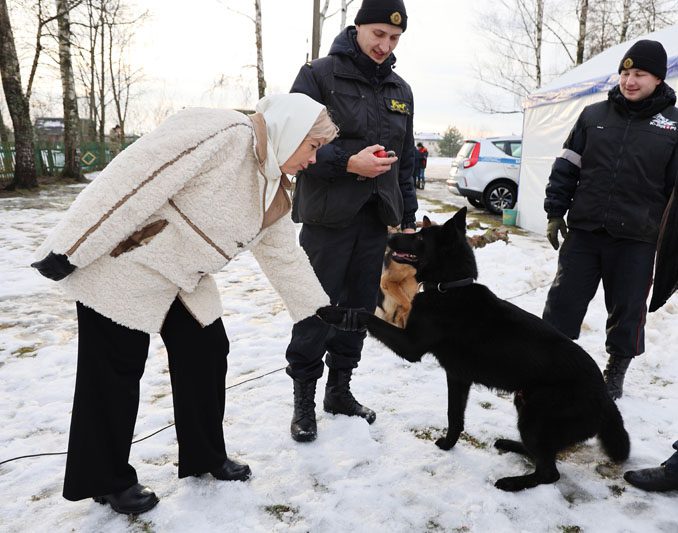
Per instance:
x=422, y=153
x=137, y=250
x=346, y=201
x=613, y=180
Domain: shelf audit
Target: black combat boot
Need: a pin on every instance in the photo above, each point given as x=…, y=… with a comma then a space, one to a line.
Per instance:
x=339, y=400
x=303, y=427
x=614, y=375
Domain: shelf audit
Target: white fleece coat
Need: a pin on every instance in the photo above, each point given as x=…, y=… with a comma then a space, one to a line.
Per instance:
x=193, y=183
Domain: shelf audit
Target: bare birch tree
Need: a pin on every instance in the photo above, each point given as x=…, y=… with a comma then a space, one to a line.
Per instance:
x=70, y=102
x=258, y=41
x=25, y=176
x=517, y=32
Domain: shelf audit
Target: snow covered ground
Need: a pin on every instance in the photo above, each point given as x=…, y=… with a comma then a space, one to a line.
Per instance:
x=359, y=478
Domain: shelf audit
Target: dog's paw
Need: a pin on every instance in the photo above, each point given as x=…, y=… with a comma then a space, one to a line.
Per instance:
x=511, y=484
x=445, y=444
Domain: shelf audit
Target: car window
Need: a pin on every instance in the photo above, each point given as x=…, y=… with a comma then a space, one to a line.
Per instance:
x=466, y=149
x=501, y=145
x=516, y=148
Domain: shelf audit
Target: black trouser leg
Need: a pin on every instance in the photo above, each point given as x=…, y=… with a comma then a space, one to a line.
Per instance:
x=627, y=278
x=576, y=281
x=198, y=364
x=111, y=361
x=361, y=287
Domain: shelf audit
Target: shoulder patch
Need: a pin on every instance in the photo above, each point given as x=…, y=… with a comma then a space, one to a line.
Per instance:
x=660, y=121
x=398, y=106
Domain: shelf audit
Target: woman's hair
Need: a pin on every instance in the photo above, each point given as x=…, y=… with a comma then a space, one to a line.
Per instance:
x=323, y=128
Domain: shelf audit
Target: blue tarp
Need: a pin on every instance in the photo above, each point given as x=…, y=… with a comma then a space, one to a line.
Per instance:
x=584, y=88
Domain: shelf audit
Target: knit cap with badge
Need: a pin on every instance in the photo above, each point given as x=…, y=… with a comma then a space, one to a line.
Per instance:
x=382, y=12
x=646, y=55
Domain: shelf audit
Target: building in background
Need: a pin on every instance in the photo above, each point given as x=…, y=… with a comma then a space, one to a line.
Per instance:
x=430, y=142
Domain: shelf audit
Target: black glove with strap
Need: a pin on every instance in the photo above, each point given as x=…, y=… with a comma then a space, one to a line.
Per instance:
x=555, y=225
x=54, y=266
x=344, y=318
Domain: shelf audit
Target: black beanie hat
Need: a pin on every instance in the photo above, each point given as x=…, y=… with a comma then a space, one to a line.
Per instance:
x=382, y=12
x=646, y=55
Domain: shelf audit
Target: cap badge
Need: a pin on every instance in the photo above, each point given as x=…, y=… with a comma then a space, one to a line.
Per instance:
x=628, y=63
x=396, y=18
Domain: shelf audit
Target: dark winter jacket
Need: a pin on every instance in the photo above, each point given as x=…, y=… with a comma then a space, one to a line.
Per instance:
x=371, y=104
x=618, y=166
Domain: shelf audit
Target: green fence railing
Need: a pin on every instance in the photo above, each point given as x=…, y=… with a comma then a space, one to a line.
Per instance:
x=49, y=158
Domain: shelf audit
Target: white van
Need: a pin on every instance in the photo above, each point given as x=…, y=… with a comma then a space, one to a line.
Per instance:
x=486, y=172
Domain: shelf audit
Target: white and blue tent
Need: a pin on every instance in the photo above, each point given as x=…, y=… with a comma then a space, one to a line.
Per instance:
x=550, y=114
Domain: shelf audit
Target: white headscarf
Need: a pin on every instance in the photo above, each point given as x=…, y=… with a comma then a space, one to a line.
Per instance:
x=289, y=117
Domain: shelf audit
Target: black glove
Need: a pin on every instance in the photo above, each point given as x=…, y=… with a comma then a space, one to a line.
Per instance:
x=54, y=266
x=344, y=318
x=555, y=225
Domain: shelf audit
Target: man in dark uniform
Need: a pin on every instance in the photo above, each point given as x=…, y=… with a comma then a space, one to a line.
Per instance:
x=349, y=197
x=614, y=178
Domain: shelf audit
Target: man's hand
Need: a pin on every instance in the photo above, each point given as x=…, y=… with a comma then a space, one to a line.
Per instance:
x=344, y=318
x=54, y=266
x=555, y=225
x=366, y=164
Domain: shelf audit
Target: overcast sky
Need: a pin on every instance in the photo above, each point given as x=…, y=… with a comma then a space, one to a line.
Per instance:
x=184, y=50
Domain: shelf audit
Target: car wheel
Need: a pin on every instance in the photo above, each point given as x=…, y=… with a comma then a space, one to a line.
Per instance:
x=476, y=203
x=500, y=195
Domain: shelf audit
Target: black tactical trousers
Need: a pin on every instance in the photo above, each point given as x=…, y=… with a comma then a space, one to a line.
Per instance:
x=625, y=267
x=111, y=361
x=348, y=263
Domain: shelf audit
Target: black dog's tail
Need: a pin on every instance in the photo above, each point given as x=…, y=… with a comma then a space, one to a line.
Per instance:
x=612, y=435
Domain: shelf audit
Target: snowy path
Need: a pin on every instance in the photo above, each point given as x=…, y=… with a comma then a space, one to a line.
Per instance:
x=355, y=477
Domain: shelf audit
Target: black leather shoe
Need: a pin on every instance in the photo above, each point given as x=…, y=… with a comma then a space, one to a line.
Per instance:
x=657, y=479
x=135, y=500
x=232, y=471
x=614, y=375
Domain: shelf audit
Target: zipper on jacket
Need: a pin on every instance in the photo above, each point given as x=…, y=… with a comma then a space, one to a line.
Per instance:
x=616, y=168
x=375, y=188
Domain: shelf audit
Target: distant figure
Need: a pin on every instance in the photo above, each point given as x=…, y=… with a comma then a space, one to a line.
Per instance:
x=115, y=140
x=421, y=157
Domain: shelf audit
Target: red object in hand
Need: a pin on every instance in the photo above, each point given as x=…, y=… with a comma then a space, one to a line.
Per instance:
x=384, y=153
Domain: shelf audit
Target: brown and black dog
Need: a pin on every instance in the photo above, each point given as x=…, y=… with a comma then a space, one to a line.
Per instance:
x=398, y=287
x=398, y=284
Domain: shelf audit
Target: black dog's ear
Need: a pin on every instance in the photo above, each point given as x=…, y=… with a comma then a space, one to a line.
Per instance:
x=426, y=222
x=458, y=221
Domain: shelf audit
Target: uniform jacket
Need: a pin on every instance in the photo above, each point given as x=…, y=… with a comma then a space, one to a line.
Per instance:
x=170, y=210
x=370, y=111
x=618, y=166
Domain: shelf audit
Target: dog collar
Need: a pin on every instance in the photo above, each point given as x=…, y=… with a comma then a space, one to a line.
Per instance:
x=443, y=286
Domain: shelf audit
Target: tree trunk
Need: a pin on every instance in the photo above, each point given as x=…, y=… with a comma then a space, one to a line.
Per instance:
x=24, y=170
x=102, y=87
x=581, y=41
x=71, y=119
x=626, y=17
x=344, y=9
x=4, y=136
x=261, y=82
x=539, y=30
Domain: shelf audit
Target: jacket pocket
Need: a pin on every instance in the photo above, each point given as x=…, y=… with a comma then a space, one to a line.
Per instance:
x=140, y=237
x=349, y=113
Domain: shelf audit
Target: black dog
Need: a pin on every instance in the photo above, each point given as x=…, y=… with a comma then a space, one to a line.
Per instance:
x=559, y=391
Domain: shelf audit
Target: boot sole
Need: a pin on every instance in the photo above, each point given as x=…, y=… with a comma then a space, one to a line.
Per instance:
x=305, y=437
x=152, y=503
x=336, y=412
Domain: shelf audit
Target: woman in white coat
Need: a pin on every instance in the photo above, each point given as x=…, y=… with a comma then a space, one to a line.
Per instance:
x=136, y=250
